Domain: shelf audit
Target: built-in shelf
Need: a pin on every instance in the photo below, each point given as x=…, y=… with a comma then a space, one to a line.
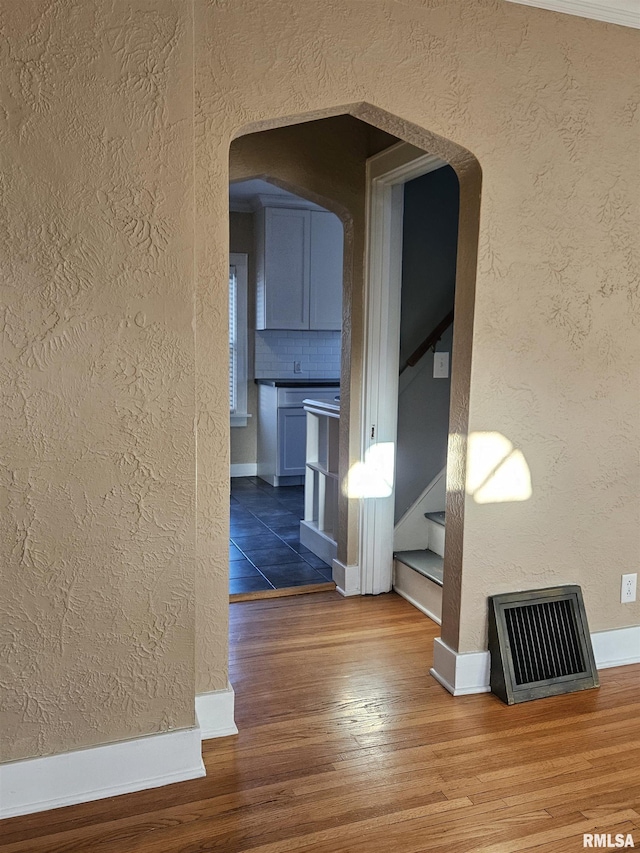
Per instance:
x=321, y=470
x=318, y=529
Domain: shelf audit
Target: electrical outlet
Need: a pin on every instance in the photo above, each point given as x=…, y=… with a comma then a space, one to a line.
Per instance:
x=629, y=588
x=297, y=367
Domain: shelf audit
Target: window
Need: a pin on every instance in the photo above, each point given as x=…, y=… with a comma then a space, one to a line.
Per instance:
x=238, y=339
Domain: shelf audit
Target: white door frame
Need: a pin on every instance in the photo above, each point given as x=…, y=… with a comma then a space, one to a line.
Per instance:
x=387, y=173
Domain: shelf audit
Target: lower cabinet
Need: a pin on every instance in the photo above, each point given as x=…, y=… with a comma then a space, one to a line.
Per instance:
x=282, y=432
x=292, y=441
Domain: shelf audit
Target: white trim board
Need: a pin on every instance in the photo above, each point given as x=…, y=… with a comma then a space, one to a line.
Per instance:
x=619, y=647
x=626, y=13
x=215, y=712
x=239, y=419
x=243, y=469
x=346, y=578
x=466, y=673
x=458, y=673
x=39, y=784
x=317, y=541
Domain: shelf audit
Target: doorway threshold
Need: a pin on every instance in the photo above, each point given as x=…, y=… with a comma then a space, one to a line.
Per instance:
x=260, y=594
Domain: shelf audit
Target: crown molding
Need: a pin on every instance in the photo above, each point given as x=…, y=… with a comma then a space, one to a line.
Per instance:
x=256, y=202
x=626, y=13
x=241, y=206
x=267, y=200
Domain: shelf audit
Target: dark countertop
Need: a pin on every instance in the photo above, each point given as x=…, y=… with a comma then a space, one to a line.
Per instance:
x=299, y=383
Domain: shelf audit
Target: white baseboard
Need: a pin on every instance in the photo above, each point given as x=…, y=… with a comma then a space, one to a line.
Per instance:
x=619, y=647
x=318, y=542
x=215, y=713
x=460, y=674
x=39, y=784
x=622, y=12
x=243, y=469
x=346, y=578
x=81, y=776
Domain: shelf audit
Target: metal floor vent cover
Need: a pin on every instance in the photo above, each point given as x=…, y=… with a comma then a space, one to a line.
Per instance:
x=540, y=644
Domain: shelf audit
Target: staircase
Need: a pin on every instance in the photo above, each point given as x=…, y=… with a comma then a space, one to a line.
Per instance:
x=417, y=574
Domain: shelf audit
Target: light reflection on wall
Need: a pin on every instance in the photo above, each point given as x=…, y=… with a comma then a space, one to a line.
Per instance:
x=496, y=471
x=373, y=478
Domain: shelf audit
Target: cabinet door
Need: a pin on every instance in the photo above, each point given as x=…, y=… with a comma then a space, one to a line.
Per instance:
x=292, y=442
x=325, y=307
x=286, y=269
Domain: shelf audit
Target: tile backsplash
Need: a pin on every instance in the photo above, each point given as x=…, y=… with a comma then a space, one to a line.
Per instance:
x=318, y=353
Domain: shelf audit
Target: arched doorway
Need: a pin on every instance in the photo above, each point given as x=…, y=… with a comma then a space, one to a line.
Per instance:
x=346, y=187
x=360, y=570
x=292, y=324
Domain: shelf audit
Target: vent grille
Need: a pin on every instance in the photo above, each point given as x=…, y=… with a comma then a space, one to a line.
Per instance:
x=543, y=640
x=540, y=644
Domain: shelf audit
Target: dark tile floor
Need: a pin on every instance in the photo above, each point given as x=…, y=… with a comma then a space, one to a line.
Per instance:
x=264, y=548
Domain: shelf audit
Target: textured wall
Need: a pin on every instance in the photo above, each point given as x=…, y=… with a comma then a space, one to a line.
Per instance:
x=96, y=246
x=547, y=103
x=97, y=440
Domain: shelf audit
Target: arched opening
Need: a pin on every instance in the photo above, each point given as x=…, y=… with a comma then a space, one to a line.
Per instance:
x=336, y=176
x=245, y=155
x=293, y=241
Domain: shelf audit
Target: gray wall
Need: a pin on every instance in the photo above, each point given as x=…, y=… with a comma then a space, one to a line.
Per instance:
x=430, y=238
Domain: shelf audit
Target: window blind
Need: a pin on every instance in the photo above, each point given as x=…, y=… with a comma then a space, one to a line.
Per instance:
x=233, y=336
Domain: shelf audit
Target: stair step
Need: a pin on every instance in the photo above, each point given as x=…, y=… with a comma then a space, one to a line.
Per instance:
x=436, y=531
x=424, y=561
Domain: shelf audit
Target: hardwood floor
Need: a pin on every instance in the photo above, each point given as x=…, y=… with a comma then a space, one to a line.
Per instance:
x=347, y=745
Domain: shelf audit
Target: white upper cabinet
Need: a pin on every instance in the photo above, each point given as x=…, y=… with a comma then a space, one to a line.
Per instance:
x=283, y=252
x=325, y=290
x=299, y=269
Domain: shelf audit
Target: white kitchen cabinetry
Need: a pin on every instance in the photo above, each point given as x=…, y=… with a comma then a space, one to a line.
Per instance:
x=325, y=271
x=298, y=269
x=282, y=432
x=291, y=442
